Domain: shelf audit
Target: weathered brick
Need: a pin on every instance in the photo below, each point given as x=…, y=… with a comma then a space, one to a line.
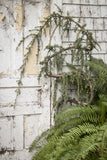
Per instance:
x=90, y=11
x=98, y=35
x=72, y=1
x=103, y=11
x=93, y=2
x=105, y=57
x=103, y=47
x=96, y=11
x=106, y=50
x=89, y=23
x=93, y=33
x=74, y=10
x=86, y=11
x=105, y=23
x=102, y=50
x=72, y=36
x=104, y=36
x=102, y=2
x=98, y=24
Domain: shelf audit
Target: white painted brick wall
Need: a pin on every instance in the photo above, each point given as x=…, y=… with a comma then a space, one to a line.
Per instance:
x=102, y=2
x=103, y=11
x=104, y=36
x=20, y=126
x=89, y=23
x=74, y=10
x=98, y=24
x=94, y=14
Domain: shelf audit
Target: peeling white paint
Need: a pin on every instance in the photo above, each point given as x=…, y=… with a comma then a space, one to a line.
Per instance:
x=1, y=16
x=19, y=18
x=33, y=66
x=30, y=116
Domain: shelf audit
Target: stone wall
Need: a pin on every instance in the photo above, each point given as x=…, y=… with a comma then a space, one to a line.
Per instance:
x=33, y=112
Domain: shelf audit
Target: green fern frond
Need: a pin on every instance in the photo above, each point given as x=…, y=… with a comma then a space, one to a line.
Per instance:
x=99, y=71
x=74, y=112
x=88, y=144
x=38, y=141
x=76, y=133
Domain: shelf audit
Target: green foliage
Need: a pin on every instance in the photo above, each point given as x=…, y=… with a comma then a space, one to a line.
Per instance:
x=79, y=133
x=99, y=71
x=53, y=64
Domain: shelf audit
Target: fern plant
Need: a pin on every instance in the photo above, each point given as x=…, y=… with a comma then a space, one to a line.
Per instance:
x=99, y=75
x=80, y=132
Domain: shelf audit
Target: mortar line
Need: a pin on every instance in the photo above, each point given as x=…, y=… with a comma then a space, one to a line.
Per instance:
x=84, y=4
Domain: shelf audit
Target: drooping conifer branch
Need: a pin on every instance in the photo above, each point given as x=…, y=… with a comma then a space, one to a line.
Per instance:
x=80, y=50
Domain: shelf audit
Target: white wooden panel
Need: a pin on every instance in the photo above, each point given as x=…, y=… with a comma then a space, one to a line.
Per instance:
x=18, y=133
x=33, y=128
x=4, y=52
x=6, y=135
x=10, y=59
x=27, y=96
x=32, y=19
x=18, y=155
x=20, y=110
x=7, y=96
x=34, y=99
x=31, y=81
x=33, y=16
